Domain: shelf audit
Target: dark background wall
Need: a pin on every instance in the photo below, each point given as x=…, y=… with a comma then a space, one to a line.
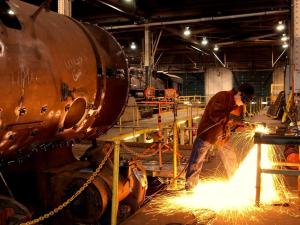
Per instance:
x=261, y=81
x=193, y=83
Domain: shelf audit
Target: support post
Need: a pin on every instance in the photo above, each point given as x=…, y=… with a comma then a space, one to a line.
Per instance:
x=295, y=46
x=115, y=197
x=133, y=115
x=258, y=176
x=147, y=55
x=175, y=149
x=160, y=134
x=182, y=131
x=190, y=124
x=137, y=115
x=299, y=175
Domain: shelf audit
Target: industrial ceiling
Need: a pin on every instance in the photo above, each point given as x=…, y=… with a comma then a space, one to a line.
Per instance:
x=243, y=30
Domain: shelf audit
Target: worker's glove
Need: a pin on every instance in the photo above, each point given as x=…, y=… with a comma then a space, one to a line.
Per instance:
x=245, y=126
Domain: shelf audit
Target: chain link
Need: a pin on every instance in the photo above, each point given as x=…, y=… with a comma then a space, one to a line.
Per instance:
x=74, y=196
x=143, y=155
x=139, y=155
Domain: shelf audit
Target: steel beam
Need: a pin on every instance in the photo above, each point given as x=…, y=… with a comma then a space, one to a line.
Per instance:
x=198, y=20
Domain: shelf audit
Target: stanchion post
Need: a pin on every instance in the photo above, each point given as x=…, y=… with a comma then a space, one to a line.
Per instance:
x=190, y=125
x=182, y=131
x=299, y=175
x=115, y=199
x=137, y=115
x=258, y=176
x=175, y=149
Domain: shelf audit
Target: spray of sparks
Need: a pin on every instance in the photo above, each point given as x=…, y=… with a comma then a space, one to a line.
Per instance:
x=232, y=196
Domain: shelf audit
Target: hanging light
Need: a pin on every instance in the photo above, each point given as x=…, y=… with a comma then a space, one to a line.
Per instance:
x=285, y=45
x=216, y=48
x=284, y=37
x=10, y=12
x=280, y=26
x=204, y=41
x=133, y=45
x=187, y=31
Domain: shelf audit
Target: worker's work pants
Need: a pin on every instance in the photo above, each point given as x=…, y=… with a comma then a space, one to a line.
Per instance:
x=200, y=149
x=228, y=156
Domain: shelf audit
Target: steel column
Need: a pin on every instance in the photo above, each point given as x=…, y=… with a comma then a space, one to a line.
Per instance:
x=64, y=7
x=296, y=46
x=147, y=55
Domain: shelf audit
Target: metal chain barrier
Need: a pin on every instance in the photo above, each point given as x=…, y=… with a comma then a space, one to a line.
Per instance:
x=139, y=155
x=74, y=196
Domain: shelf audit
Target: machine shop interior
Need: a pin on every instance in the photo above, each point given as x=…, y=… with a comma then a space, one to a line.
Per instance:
x=150, y=112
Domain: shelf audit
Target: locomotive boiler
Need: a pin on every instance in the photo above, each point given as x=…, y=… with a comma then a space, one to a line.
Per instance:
x=62, y=81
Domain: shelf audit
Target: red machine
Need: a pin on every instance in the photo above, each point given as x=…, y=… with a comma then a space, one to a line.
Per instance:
x=61, y=81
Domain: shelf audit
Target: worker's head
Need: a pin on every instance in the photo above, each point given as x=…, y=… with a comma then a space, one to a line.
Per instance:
x=244, y=95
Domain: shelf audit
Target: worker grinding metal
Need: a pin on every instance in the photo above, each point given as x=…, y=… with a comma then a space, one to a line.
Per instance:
x=212, y=127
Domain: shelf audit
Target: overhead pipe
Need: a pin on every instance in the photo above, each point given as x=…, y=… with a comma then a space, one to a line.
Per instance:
x=203, y=19
x=247, y=39
x=279, y=57
x=218, y=59
x=198, y=49
x=117, y=8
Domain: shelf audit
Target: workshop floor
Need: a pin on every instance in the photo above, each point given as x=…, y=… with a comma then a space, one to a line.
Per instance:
x=283, y=213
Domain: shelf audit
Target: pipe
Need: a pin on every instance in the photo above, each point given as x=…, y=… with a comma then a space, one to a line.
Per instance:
x=198, y=49
x=117, y=8
x=265, y=13
x=255, y=38
x=279, y=57
x=260, y=138
x=156, y=44
x=160, y=55
x=218, y=59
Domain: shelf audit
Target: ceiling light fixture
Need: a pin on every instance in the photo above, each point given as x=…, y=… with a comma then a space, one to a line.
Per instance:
x=284, y=37
x=187, y=31
x=204, y=41
x=128, y=1
x=10, y=12
x=280, y=26
x=133, y=46
x=285, y=45
x=216, y=48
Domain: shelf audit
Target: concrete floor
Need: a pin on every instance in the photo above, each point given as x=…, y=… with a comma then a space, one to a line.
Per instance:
x=281, y=214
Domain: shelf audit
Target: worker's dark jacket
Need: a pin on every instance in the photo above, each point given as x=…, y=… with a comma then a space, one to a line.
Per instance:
x=216, y=116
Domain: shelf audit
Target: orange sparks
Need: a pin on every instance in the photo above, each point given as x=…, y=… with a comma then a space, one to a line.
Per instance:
x=236, y=193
